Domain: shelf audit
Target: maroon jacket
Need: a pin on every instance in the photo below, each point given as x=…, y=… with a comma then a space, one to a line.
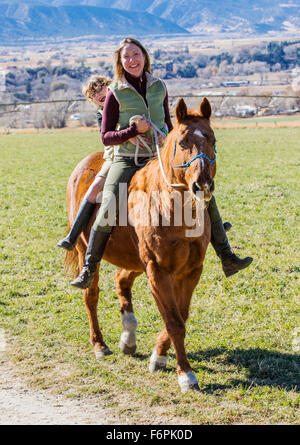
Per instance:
x=110, y=116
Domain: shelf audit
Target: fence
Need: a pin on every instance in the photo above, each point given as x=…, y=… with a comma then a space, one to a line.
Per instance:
x=78, y=112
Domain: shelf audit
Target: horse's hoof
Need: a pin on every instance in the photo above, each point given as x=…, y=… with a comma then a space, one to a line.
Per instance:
x=153, y=367
x=128, y=350
x=157, y=362
x=187, y=382
x=128, y=342
x=195, y=387
x=102, y=353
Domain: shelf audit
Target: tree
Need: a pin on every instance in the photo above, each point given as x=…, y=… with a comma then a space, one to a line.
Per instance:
x=157, y=54
x=28, y=87
x=187, y=71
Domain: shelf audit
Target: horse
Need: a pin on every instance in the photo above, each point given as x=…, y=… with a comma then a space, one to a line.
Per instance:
x=172, y=261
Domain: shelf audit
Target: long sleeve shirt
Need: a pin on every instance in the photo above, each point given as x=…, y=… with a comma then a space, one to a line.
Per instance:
x=110, y=117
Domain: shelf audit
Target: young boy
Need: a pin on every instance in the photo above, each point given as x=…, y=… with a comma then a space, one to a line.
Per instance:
x=95, y=90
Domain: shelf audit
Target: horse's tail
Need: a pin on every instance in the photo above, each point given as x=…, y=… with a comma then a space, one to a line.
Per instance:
x=71, y=261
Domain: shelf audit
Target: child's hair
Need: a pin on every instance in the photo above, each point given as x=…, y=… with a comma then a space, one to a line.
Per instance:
x=94, y=84
x=119, y=70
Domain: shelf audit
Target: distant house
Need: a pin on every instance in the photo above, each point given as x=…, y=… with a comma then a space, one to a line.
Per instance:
x=237, y=83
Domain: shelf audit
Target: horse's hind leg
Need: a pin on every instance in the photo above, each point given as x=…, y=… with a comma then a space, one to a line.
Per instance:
x=90, y=298
x=124, y=280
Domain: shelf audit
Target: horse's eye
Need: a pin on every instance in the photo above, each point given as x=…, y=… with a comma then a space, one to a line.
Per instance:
x=183, y=142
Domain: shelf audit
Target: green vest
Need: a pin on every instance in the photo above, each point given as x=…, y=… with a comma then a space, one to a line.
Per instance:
x=132, y=103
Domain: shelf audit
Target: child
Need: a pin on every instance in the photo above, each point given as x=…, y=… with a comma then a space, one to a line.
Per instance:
x=95, y=90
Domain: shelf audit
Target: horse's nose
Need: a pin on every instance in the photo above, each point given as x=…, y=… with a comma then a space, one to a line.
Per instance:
x=207, y=187
x=207, y=184
x=206, y=191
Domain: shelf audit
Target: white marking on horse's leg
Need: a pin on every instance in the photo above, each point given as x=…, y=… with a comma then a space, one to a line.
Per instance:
x=188, y=381
x=128, y=337
x=157, y=362
x=102, y=353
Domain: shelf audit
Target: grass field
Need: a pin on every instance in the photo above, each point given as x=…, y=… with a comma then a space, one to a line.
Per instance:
x=241, y=334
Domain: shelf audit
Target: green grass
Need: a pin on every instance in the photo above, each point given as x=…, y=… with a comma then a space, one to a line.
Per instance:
x=240, y=331
x=263, y=119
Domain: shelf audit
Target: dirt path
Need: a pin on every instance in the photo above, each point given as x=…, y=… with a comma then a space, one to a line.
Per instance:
x=22, y=405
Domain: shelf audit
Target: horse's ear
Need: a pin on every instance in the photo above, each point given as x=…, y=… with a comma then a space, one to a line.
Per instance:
x=181, y=111
x=205, y=108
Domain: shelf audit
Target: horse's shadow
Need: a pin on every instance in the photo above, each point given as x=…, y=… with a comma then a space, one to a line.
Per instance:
x=260, y=367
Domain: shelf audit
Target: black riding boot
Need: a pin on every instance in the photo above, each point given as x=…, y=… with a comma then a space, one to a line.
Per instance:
x=81, y=221
x=94, y=254
x=227, y=226
x=231, y=263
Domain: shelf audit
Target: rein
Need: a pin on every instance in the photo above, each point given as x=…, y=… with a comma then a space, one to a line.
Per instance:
x=156, y=130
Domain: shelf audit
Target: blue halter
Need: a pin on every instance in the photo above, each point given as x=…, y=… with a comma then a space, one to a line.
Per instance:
x=199, y=156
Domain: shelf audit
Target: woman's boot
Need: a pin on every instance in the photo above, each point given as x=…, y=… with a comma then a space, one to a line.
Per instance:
x=227, y=226
x=94, y=254
x=230, y=262
x=82, y=219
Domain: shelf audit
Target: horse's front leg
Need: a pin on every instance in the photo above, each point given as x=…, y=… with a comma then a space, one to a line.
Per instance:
x=124, y=281
x=183, y=290
x=161, y=285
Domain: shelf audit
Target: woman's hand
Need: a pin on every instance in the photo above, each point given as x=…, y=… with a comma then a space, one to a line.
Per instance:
x=142, y=125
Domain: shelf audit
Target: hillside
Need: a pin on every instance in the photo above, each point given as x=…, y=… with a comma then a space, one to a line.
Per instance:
x=36, y=21
x=222, y=16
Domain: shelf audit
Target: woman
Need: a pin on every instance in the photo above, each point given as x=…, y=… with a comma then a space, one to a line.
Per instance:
x=95, y=90
x=136, y=92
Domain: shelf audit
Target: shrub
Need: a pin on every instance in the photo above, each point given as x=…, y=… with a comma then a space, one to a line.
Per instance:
x=55, y=86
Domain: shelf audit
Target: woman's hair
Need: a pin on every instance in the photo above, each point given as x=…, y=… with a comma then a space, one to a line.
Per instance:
x=119, y=70
x=94, y=84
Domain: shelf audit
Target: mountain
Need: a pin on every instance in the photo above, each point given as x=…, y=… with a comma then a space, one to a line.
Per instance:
x=33, y=20
x=207, y=16
x=73, y=18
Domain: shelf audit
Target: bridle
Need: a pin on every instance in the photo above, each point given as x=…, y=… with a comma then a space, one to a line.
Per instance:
x=198, y=156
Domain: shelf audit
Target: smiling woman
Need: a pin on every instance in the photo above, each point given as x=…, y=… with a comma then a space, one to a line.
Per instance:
x=132, y=59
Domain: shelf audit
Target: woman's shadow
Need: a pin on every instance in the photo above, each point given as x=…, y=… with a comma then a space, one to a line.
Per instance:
x=260, y=368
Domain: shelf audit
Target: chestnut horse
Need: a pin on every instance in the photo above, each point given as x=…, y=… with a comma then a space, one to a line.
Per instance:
x=172, y=260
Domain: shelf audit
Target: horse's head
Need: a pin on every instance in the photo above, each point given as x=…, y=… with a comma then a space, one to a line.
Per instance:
x=194, y=159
